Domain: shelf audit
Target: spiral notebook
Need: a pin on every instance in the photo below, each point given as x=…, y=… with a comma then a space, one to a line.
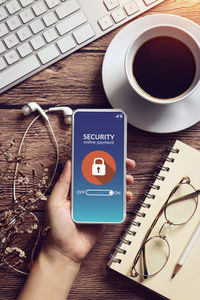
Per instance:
x=182, y=160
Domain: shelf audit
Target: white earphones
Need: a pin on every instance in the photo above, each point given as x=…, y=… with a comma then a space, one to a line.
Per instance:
x=27, y=110
x=33, y=106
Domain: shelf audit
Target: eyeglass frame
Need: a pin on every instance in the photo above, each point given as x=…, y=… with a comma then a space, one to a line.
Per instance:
x=147, y=239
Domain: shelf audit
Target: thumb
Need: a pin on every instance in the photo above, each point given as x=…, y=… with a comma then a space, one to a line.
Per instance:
x=61, y=188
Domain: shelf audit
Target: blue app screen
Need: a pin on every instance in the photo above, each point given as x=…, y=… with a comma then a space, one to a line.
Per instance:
x=98, y=166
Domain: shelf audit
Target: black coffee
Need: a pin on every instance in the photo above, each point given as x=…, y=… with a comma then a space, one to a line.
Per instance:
x=164, y=67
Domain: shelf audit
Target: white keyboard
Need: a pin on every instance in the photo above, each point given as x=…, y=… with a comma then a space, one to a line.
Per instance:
x=36, y=33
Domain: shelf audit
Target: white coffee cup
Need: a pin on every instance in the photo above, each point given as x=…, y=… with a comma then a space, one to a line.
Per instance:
x=158, y=31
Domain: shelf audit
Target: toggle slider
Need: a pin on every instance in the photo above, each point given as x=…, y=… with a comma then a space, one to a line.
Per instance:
x=99, y=192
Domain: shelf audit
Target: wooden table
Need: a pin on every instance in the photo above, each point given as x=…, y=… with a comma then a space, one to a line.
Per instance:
x=76, y=81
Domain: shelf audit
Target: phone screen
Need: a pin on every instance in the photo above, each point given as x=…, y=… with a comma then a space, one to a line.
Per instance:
x=98, y=163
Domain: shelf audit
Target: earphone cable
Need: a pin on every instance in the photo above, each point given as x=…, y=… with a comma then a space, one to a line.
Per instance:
x=57, y=155
x=19, y=152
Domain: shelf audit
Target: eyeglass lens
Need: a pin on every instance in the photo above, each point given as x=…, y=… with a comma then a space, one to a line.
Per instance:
x=156, y=255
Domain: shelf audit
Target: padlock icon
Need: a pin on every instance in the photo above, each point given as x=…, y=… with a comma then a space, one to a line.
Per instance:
x=98, y=168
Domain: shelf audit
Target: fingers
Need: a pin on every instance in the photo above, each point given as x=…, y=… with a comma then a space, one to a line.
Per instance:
x=129, y=179
x=61, y=188
x=129, y=195
x=130, y=164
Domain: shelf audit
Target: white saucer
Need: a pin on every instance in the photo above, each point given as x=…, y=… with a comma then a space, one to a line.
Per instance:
x=142, y=114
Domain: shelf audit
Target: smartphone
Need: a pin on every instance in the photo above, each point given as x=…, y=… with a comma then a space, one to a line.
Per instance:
x=99, y=139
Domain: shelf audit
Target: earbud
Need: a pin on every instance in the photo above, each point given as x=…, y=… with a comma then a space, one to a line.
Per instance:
x=67, y=113
x=31, y=107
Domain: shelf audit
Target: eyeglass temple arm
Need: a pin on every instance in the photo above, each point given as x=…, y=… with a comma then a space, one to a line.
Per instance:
x=185, y=197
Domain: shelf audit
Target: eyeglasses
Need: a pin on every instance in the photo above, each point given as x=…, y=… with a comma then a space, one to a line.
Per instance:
x=178, y=209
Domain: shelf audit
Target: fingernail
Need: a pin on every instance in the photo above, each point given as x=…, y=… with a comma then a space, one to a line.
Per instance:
x=132, y=179
x=68, y=164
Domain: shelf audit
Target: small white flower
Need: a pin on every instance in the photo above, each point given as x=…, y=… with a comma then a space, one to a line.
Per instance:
x=20, y=180
x=3, y=240
x=26, y=180
x=11, y=249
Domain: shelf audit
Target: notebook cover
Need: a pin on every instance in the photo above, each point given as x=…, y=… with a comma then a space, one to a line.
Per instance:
x=186, y=284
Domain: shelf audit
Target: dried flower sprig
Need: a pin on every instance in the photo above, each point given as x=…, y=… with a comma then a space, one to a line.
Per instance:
x=18, y=219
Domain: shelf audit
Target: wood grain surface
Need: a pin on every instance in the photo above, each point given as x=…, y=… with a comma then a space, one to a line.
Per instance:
x=76, y=81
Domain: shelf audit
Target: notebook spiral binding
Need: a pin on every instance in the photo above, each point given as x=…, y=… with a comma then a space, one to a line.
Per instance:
x=146, y=205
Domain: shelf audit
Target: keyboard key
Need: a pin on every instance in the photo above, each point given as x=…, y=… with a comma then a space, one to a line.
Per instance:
x=111, y=4
x=66, y=43
x=11, y=41
x=52, y=3
x=26, y=15
x=37, y=42
x=148, y=2
x=25, y=3
x=13, y=23
x=24, y=33
x=3, y=29
x=2, y=64
x=49, y=19
x=83, y=34
x=3, y=14
x=2, y=1
x=118, y=15
x=71, y=23
x=39, y=8
x=19, y=70
x=11, y=57
x=50, y=35
x=67, y=8
x=47, y=54
x=2, y=48
x=13, y=7
x=105, y=22
x=37, y=26
x=131, y=8
x=24, y=49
